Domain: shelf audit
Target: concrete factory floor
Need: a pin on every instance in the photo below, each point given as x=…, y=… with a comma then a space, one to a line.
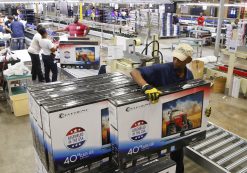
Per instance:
x=16, y=141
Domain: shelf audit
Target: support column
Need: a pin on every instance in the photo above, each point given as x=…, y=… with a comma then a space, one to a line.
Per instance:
x=37, y=8
x=220, y=18
x=229, y=81
x=81, y=13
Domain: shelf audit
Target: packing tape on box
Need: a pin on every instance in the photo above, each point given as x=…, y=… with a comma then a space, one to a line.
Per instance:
x=138, y=41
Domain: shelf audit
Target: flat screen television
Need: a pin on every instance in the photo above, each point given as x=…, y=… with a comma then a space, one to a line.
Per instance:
x=182, y=114
x=170, y=8
x=232, y=12
x=196, y=11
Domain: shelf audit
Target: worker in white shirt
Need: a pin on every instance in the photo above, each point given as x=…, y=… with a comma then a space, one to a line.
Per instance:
x=48, y=56
x=34, y=50
x=123, y=14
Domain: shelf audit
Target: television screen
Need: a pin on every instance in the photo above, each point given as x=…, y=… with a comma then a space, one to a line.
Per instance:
x=182, y=114
x=85, y=54
x=196, y=11
x=232, y=13
x=170, y=8
x=105, y=126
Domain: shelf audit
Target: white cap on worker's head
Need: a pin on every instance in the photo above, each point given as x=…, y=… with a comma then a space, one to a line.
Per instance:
x=183, y=51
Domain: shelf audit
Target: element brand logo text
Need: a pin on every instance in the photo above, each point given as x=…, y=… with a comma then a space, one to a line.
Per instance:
x=128, y=109
x=63, y=115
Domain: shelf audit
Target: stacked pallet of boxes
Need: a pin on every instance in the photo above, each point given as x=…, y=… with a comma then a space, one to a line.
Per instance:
x=133, y=19
x=77, y=123
x=147, y=19
x=61, y=114
x=143, y=21
x=154, y=19
x=168, y=28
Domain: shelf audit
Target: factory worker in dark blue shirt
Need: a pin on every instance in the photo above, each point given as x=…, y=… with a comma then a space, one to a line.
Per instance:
x=17, y=34
x=16, y=27
x=1, y=29
x=162, y=75
x=7, y=25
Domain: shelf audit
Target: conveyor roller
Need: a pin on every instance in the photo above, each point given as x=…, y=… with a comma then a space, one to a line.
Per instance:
x=221, y=151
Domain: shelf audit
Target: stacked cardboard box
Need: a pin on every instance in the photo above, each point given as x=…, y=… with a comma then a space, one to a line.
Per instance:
x=168, y=29
x=78, y=125
x=139, y=128
x=133, y=20
x=59, y=114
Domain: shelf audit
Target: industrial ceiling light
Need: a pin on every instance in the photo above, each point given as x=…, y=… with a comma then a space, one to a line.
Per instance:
x=216, y=5
x=25, y=2
x=73, y=1
x=202, y=4
x=236, y=5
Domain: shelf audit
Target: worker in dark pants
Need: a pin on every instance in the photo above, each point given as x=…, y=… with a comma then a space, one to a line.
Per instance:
x=162, y=75
x=34, y=50
x=17, y=34
x=48, y=56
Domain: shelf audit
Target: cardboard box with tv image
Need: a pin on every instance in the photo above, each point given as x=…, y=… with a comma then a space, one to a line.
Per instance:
x=76, y=133
x=80, y=53
x=139, y=128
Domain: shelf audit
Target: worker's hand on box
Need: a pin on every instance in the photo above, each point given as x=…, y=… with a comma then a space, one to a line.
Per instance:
x=152, y=93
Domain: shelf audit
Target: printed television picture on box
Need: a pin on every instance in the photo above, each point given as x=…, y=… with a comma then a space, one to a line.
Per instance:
x=84, y=54
x=139, y=128
x=105, y=125
x=182, y=114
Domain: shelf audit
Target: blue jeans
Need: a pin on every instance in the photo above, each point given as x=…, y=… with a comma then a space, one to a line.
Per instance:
x=50, y=65
x=17, y=43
